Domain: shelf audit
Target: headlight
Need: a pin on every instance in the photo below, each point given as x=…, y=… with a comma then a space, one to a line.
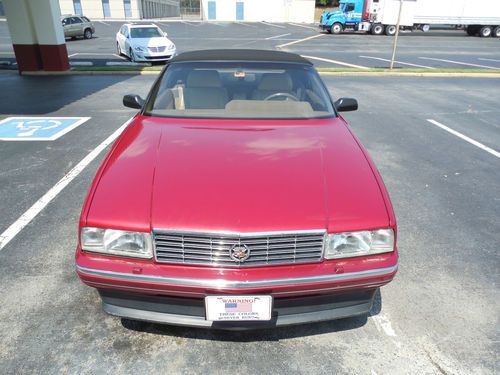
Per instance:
x=140, y=49
x=171, y=47
x=117, y=242
x=356, y=244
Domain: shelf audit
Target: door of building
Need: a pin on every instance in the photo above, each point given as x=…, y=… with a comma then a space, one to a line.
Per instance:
x=240, y=10
x=212, y=13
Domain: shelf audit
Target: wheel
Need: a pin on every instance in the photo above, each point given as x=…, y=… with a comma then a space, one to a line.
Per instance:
x=485, y=31
x=337, y=28
x=118, y=50
x=426, y=28
x=377, y=29
x=471, y=30
x=131, y=55
x=87, y=34
x=390, y=30
x=496, y=32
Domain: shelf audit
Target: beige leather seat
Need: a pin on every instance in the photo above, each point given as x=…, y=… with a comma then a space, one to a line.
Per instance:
x=204, y=90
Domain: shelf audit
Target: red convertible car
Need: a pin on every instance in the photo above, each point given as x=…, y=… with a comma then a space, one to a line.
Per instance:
x=236, y=198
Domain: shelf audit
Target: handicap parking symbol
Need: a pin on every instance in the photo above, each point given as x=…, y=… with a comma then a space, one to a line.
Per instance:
x=37, y=128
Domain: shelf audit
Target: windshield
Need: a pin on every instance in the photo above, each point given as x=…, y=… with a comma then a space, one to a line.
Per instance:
x=239, y=90
x=144, y=32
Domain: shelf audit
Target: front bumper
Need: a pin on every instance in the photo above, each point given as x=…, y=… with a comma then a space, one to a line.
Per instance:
x=191, y=311
x=152, y=57
x=142, y=290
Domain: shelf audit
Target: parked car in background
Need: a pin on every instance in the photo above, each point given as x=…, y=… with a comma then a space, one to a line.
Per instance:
x=237, y=197
x=144, y=42
x=77, y=26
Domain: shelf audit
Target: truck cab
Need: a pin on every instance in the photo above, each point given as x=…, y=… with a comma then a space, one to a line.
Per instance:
x=348, y=16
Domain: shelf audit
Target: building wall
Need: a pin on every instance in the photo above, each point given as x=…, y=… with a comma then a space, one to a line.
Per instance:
x=140, y=8
x=263, y=10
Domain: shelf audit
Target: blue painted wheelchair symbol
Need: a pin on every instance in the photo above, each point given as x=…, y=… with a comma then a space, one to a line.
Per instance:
x=37, y=128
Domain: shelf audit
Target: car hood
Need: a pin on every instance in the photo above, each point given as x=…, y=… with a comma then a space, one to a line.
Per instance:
x=151, y=42
x=237, y=176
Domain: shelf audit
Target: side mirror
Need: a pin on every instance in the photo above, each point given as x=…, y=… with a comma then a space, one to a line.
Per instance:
x=165, y=34
x=346, y=105
x=133, y=101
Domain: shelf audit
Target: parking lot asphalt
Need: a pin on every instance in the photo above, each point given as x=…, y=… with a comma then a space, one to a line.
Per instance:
x=440, y=315
x=440, y=48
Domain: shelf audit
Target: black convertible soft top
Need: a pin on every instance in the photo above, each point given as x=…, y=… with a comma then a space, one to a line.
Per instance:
x=240, y=55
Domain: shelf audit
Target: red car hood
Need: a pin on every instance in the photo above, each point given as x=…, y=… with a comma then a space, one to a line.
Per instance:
x=239, y=175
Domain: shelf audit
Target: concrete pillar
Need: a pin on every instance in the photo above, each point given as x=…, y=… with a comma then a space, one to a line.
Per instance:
x=37, y=34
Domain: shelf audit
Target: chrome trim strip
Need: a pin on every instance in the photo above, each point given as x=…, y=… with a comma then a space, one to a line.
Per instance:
x=202, y=294
x=225, y=284
x=240, y=234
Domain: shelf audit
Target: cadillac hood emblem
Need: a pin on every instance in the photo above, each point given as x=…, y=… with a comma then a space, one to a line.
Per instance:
x=239, y=252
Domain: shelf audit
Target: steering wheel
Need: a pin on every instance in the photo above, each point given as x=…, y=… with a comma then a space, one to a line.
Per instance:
x=284, y=95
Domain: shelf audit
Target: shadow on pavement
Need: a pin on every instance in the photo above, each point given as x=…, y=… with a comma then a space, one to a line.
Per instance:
x=31, y=95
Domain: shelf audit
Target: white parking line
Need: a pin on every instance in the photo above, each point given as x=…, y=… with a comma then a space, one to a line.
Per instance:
x=73, y=54
x=465, y=138
x=105, y=23
x=120, y=57
x=245, y=24
x=488, y=60
x=277, y=36
x=304, y=26
x=123, y=63
x=40, y=204
x=300, y=40
x=459, y=63
x=335, y=62
x=272, y=24
x=383, y=324
x=399, y=62
x=81, y=63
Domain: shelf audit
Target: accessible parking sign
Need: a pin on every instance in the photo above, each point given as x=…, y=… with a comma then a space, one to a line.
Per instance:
x=37, y=128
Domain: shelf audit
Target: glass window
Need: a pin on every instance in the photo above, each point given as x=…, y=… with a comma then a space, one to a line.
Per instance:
x=76, y=20
x=85, y=19
x=240, y=90
x=145, y=32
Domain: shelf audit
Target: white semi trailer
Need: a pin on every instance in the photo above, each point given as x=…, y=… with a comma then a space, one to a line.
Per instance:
x=479, y=17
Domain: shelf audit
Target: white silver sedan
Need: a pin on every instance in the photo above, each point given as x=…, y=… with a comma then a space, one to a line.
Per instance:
x=144, y=42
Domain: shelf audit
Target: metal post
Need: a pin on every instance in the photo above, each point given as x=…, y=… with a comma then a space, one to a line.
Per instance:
x=397, y=34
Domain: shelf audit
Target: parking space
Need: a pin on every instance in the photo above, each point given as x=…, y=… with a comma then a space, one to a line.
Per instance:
x=440, y=48
x=439, y=316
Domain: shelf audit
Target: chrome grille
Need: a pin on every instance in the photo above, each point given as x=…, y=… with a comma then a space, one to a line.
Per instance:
x=213, y=249
x=157, y=49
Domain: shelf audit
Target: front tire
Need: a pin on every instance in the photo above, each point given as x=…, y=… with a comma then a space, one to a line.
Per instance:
x=337, y=28
x=118, y=49
x=87, y=34
x=377, y=29
x=131, y=55
x=390, y=30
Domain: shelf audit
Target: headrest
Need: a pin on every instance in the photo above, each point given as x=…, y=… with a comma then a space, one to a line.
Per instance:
x=203, y=78
x=276, y=82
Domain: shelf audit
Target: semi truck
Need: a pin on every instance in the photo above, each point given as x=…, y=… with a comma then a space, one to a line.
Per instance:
x=478, y=17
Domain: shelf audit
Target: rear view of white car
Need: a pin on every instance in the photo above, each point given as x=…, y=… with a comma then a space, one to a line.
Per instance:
x=144, y=42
